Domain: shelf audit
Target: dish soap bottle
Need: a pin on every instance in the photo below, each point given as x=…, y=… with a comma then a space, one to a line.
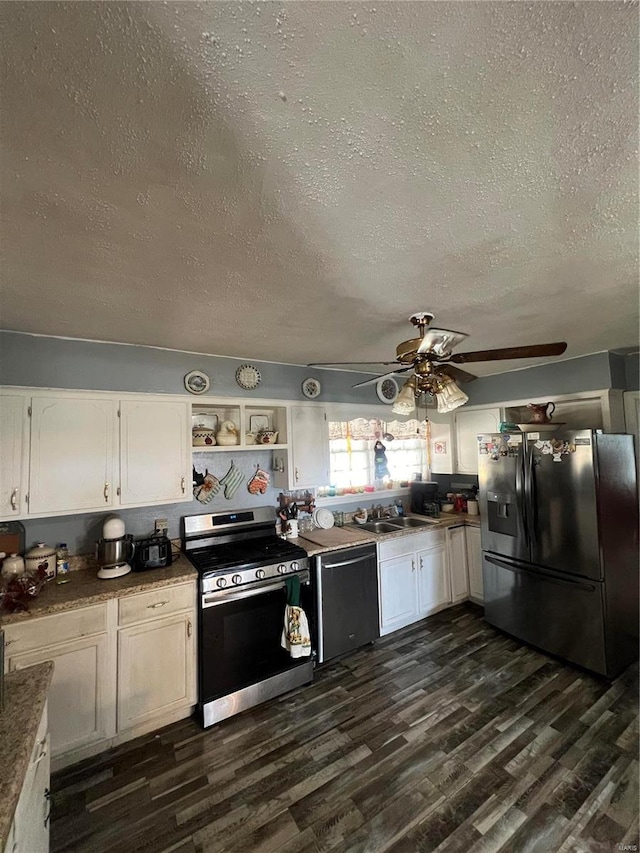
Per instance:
x=62, y=564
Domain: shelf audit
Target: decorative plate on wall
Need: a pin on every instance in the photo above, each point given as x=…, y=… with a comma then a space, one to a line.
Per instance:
x=197, y=382
x=311, y=388
x=387, y=390
x=248, y=377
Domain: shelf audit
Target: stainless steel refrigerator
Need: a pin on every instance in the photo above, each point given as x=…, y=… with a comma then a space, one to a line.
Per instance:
x=559, y=521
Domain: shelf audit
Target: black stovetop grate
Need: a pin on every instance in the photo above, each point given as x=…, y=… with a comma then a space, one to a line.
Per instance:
x=248, y=553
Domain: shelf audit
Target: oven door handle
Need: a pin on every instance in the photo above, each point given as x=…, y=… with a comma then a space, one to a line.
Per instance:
x=213, y=599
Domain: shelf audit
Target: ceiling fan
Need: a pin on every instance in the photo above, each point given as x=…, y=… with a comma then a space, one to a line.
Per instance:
x=433, y=364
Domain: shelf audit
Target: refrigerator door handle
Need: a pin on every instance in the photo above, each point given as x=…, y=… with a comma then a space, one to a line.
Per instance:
x=521, y=494
x=531, y=510
x=547, y=577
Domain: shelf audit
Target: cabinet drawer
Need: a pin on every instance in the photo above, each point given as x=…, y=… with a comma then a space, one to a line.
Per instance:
x=410, y=543
x=58, y=628
x=151, y=605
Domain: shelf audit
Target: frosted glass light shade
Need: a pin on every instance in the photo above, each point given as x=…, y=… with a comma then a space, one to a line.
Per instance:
x=406, y=400
x=449, y=395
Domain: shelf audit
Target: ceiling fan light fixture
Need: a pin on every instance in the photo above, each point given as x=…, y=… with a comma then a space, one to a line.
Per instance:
x=449, y=395
x=405, y=403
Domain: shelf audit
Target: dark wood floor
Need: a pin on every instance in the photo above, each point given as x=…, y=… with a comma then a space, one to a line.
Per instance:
x=445, y=736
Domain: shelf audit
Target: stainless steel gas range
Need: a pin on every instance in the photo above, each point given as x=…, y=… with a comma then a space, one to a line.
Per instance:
x=242, y=566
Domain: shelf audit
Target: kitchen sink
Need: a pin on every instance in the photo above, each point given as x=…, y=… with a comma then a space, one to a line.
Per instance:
x=378, y=527
x=413, y=522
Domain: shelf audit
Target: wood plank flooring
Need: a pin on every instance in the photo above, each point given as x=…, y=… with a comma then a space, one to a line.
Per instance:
x=445, y=736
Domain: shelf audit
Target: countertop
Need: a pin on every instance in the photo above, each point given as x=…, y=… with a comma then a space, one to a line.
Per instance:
x=86, y=588
x=25, y=695
x=336, y=538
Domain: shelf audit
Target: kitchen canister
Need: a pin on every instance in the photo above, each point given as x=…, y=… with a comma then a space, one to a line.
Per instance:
x=12, y=566
x=41, y=558
x=202, y=436
x=472, y=507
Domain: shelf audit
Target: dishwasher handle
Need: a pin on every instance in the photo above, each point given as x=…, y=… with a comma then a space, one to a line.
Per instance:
x=361, y=559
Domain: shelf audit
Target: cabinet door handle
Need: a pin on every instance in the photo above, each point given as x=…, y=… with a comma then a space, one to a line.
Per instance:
x=183, y=485
x=157, y=604
x=106, y=492
x=14, y=499
x=413, y=565
x=43, y=751
x=47, y=796
x=296, y=475
x=189, y=628
x=421, y=563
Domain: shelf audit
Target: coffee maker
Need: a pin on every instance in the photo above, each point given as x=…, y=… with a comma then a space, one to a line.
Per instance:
x=115, y=550
x=423, y=498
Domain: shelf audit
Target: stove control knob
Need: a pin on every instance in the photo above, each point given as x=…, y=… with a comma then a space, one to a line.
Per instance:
x=237, y=578
x=221, y=582
x=282, y=569
x=295, y=566
x=260, y=574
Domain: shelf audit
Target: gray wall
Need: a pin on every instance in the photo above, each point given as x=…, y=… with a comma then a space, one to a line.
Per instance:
x=53, y=362
x=81, y=531
x=589, y=373
x=58, y=363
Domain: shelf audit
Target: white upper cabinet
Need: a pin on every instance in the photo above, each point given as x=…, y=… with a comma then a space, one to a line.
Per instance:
x=73, y=454
x=13, y=455
x=309, y=447
x=469, y=424
x=155, y=452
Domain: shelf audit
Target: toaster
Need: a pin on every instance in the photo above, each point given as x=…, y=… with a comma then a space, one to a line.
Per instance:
x=153, y=553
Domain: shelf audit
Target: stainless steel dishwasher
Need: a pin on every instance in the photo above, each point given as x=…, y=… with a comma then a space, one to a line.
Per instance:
x=346, y=600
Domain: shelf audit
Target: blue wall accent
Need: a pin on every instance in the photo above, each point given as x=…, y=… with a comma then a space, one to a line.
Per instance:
x=589, y=373
x=71, y=364
x=35, y=361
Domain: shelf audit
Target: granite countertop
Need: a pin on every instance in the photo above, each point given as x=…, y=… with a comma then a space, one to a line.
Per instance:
x=86, y=588
x=349, y=536
x=25, y=695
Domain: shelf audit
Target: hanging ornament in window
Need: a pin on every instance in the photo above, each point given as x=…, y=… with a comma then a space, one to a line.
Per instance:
x=380, y=461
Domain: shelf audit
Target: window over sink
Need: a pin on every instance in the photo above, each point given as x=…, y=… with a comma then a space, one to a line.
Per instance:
x=352, y=453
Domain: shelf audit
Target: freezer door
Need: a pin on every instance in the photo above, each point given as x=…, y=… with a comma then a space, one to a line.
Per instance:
x=560, y=485
x=555, y=612
x=501, y=490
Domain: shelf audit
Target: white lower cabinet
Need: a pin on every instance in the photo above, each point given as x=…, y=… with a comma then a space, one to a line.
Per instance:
x=156, y=669
x=433, y=580
x=29, y=831
x=422, y=573
x=81, y=697
x=398, y=602
x=474, y=563
x=145, y=667
x=457, y=551
x=413, y=579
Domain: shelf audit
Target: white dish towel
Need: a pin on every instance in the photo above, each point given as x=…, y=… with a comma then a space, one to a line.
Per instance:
x=296, y=638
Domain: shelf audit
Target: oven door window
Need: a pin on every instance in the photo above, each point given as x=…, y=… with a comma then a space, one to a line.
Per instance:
x=240, y=643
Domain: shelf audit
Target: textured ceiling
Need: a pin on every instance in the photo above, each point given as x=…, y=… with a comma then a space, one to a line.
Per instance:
x=290, y=181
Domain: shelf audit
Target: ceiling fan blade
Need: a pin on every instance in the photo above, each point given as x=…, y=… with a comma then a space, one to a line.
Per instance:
x=510, y=352
x=455, y=373
x=384, y=376
x=440, y=342
x=353, y=364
